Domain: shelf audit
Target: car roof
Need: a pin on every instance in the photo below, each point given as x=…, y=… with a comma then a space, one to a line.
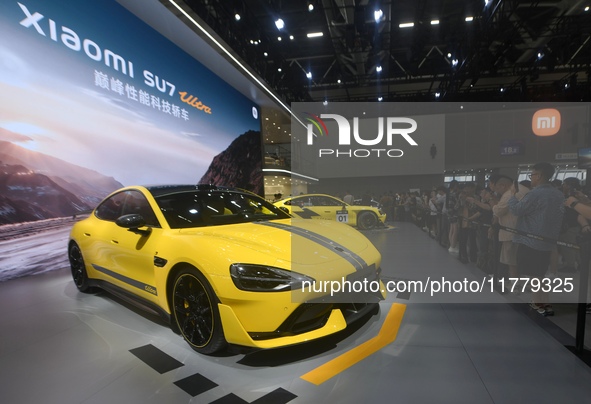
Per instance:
x=159, y=190
x=289, y=198
x=304, y=195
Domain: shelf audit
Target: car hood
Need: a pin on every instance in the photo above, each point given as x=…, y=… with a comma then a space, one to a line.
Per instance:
x=291, y=241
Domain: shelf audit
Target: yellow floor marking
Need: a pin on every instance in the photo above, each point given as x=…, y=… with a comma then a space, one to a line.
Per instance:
x=386, y=336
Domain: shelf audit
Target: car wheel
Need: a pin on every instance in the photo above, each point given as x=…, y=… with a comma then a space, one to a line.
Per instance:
x=78, y=269
x=196, y=312
x=367, y=220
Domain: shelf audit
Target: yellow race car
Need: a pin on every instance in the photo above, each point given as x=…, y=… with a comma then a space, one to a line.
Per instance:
x=326, y=207
x=224, y=266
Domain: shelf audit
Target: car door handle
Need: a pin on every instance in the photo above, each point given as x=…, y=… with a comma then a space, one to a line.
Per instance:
x=87, y=234
x=114, y=242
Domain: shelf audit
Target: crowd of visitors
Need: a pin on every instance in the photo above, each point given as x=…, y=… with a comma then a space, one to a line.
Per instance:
x=492, y=227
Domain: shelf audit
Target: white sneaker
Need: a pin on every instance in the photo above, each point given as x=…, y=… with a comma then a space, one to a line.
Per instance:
x=540, y=309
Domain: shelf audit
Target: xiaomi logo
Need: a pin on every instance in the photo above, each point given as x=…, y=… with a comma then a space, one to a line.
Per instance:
x=546, y=122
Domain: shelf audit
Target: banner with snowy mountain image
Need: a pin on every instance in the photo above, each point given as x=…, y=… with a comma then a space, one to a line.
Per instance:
x=83, y=113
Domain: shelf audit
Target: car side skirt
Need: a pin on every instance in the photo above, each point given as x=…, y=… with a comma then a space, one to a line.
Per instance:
x=130, y=298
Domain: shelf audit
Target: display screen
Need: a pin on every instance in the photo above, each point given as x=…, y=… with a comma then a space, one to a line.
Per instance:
x=93, y=99
x=584, y=156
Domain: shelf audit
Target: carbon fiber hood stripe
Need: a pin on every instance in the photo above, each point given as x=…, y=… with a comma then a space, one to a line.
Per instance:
x=354, y=259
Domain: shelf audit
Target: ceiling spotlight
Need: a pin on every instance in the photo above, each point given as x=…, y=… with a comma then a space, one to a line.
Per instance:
x=339, y=81
x=310, y=7
x=437, y=94
x=279, y=23
x=265, y=54
x=237, y=17
x=325, y=103
x=309, y=75
x=434, y=22
x=378, y=14
x=540, y=55
x=454, y=62
x=279, y=69
x=291, y=37
x=502, y=89
x=406, y=25
x=380, y=98
x=314, y=34
x=469, y=19
x=587, y=8
x=279, y=38
x=252, y=42
x=449, y=54
x=378, y=68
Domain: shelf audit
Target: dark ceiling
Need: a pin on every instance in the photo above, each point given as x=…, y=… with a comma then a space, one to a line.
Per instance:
x=511, y=50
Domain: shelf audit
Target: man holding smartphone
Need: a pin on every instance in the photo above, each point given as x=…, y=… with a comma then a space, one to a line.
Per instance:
x=539, y=213
x=571, y=227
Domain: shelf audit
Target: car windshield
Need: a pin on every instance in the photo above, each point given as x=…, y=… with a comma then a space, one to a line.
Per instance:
x=212, y=208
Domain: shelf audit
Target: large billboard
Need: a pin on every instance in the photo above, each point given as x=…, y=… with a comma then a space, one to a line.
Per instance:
x=92, y=98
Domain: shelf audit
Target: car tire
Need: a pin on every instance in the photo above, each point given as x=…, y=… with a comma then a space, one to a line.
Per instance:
x=195, y=312
x=367, y=220
x=78, y=268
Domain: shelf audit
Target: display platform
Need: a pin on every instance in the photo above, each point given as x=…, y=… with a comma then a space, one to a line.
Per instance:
x=61, y=346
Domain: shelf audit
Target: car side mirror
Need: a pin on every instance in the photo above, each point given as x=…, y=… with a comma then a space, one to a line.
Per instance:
x=133, y=222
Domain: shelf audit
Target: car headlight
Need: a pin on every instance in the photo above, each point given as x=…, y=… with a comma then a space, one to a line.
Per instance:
x=262, y=278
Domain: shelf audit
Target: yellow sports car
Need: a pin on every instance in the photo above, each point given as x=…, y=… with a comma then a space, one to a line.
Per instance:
x=226, y=267
x=318, y=206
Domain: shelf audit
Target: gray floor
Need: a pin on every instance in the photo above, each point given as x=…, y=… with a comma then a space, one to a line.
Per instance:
x=60, y=346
